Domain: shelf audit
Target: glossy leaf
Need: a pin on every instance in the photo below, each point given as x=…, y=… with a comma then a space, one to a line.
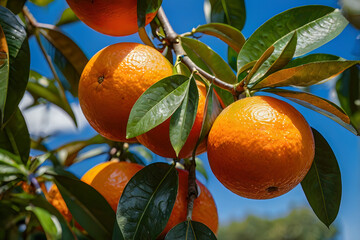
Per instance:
x=4, y=72
x=44, y=88
x=322, y=184
x=212, y=110
x=232, y=57
x=283, y=53
x=19, y=61
x=68, y=58
x=67, y=153
x=348, y=92
x=190, y=230
x=315, y=25
x=183, y=119
x=144, y=7
x=41, y=3
x=231, y=12
x=11, y=164
x=205, y=58
x=68, y=16
x=49, y=223
x=15, y=137
x=317, y=104
x=156, y=104
x=226, y=33
x=14, y=5
x=306, y=74
x=147, y=201
x=88, y=207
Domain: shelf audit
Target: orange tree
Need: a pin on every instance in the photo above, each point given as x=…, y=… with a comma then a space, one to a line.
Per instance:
x=259, y=147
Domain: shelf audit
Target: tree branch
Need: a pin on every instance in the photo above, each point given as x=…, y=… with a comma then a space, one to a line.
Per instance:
x=192, y=187
x=173, y=39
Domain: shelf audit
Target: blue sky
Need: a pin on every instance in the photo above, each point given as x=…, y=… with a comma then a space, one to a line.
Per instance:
x=187, y=14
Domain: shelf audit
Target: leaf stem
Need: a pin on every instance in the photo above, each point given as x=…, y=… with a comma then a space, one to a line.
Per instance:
x=172, y=38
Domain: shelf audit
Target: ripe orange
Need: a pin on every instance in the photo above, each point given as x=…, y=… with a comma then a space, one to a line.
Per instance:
x=158, y=138
x=113, y=80
x=260, y=147
x=204, y=211
x=112, y=17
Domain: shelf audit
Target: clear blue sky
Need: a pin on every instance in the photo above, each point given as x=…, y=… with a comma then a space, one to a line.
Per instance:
x=188, y=14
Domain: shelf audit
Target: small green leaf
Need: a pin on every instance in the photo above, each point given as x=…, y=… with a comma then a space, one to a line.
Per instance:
x=156, y=104
x=317, y=104
x=11, y=164
x=117, y=234
x=68, y=16
x=200, y=168
x=147, y=201
x=141, y=151
x=49, y=223
x=232, y=57
x=19, y=62
x=226, y=33
x=144, y=7
x=183, y=119
x=190, y=230
x=89, y=207
x=41, y=3
x=306, y=74
x=348, y=92
x=315, y=25
x=322, y=184
x=212, y=110
x=283, y=53
x=231, y=12
x=4, y=73
x=44, y=88
x=15, y=137
x=68, y=58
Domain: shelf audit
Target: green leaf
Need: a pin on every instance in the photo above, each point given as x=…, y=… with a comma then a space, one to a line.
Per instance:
x=205, y=58
x=283, y=53
x=156, y=104
x=42, y=87
x=322, y=184
x=49, y=223
x=315, y=25
x=144, y=7
x=117, y=234
x=147, y=201
x=15, y=137
x=190, y=230
x=211, y=111
x=67, y=153
x=200, y=168
x=68, y=16
x=68, y=58
x=215, y=63
x=183, y=119
x=306, y=74
x=11, y=164
x=41, y=3
x=14, y=5
x=232, y=57
x=4, y=73
x=317, y=104
x=89, y=207
x=348, y=92
x=231, y=12
x=141, y=151
x=226, y=33
x=19, y=62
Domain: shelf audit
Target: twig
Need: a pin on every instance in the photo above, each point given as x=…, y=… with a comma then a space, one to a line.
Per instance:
x=192, y=187
x=173, y=39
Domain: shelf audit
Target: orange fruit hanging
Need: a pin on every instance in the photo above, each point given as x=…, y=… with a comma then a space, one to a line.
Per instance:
x=204, y=210
x=260, y=147
x=113, y=80
x=158, y=138
x=111, y=17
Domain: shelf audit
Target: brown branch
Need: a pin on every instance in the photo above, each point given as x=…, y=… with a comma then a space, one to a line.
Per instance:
x=173, y=39
x=192, y=187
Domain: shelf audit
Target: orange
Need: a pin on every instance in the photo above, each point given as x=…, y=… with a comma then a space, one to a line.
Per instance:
x=260, y=147
x=158, y=138
x=113, y=80
x=112, y=17
x=54, y=197
x=204, y=210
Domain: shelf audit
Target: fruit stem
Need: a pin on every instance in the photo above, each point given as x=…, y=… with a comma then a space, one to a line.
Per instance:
x=192, y=187
x=174, y=41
